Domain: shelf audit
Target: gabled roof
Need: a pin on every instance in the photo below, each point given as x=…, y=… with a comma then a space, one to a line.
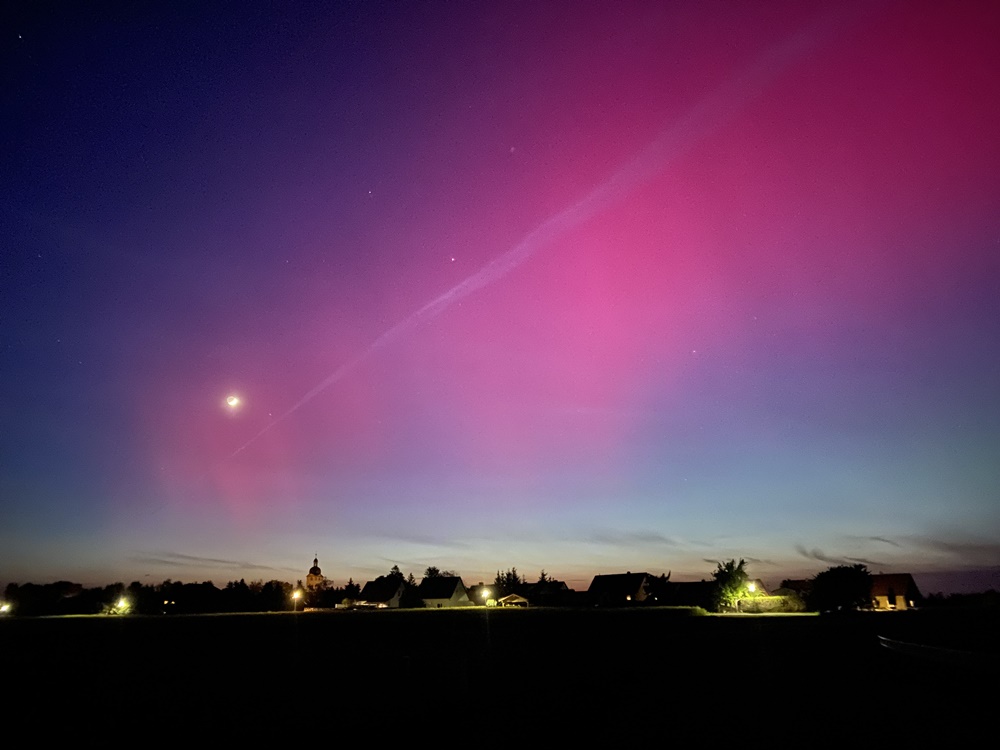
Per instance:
x=618, y=587
x=439, y=587
x=382, y=589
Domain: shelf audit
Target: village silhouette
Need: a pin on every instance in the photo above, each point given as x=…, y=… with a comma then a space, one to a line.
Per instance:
x=730, y=589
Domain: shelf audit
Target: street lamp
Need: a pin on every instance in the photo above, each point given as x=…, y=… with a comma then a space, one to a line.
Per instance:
x=296, y=595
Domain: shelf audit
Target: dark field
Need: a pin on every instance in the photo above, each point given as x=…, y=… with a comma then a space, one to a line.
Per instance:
x=642, y=674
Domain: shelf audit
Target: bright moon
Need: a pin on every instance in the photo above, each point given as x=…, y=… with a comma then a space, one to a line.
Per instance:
x=233, y=401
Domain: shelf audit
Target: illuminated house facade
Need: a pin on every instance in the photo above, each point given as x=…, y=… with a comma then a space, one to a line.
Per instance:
x=443, y=591
x=894, y=591
x=385, y=592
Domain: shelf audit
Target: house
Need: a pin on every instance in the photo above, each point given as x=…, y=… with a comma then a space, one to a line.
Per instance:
x=384, y=592
x=894, y=591
x=439, y=592
x=547, y=593
x=619, y=589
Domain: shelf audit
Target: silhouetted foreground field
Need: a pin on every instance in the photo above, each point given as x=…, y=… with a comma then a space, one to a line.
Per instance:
x=642, y=673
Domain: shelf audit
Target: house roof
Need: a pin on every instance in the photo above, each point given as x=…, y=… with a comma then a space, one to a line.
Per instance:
x=617, y=585
x=439, y=587
x=902, y=584
x=800, y=586
x=382, y=589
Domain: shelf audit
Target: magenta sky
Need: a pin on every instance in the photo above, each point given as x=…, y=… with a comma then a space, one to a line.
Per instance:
x=587, y=287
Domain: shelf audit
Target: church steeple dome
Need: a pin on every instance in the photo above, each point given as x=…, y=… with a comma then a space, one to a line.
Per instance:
x=315, y=579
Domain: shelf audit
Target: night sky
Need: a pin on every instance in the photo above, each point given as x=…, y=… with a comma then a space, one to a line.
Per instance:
x=577, y=286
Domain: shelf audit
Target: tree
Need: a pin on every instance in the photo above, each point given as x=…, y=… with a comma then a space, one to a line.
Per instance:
x=507, y=583
x=543, y=577
x=730, y=583
x=432, y=572
x=352, y=590
x=841, y=587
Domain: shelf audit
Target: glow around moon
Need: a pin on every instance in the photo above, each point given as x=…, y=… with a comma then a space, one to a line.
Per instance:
x=233, y=401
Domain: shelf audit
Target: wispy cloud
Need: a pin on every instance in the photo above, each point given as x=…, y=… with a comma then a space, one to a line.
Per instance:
x=883, y=540
x=631, y=537
x=967, y=550
x=820, y=556
x=177, y=559
x=748, y=560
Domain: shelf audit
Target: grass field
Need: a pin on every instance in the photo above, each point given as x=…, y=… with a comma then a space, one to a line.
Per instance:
x=640, y=673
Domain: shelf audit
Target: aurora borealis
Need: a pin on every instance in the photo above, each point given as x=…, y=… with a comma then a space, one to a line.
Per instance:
x=583, y=287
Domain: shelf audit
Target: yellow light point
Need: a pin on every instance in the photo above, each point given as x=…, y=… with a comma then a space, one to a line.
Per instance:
x=232, y=401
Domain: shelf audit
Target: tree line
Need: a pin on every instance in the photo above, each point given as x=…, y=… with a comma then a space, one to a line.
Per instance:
x=842, y=587
x=169, y=597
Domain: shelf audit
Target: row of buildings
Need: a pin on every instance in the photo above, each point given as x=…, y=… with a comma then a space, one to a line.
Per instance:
x=896, y=591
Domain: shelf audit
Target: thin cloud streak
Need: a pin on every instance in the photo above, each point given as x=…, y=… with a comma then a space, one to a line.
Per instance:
x=631, y=537
x=820, y=556
x=674, y=141
x=179, y=559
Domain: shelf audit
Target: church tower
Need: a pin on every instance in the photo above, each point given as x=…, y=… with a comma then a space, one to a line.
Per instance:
x=315, y=578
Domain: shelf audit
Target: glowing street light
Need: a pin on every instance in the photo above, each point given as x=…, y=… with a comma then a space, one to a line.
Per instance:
x=296, y=595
